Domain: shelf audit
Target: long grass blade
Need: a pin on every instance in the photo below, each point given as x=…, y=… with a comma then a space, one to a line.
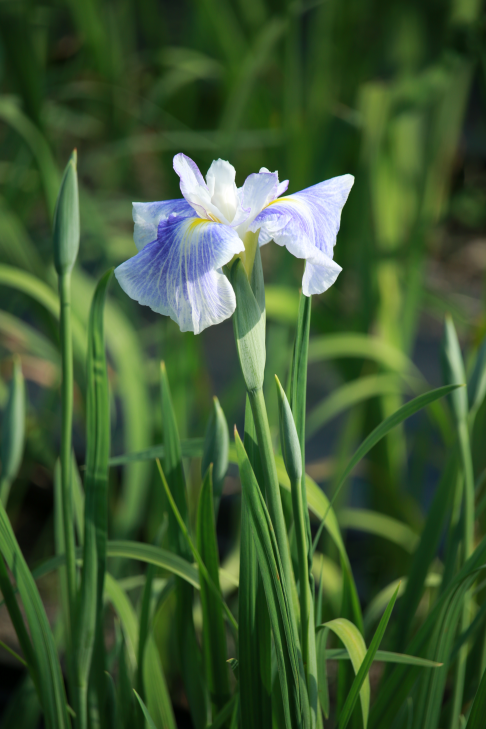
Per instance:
x=254, y=637
x=214, y=638
x=362, y=674
x=13, y=432
x=291, y=669
x=381, y=430
x=180, y=543
x=51, y=686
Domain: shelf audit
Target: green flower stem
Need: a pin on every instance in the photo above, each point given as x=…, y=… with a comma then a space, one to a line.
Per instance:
x=302, y=552
x=66, y=442
x=468, y=548
x=274, y=502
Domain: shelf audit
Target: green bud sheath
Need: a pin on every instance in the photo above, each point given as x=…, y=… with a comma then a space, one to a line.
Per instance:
x=66, y=220
x=249, y=326
x=289, y=439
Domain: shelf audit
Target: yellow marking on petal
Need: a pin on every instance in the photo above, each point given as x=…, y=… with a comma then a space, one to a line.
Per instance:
x=287, y=199
x=195, y=222
x=213, y=218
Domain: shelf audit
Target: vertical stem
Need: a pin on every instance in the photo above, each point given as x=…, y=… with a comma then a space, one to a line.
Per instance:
x=468, y=548
x=300, y=533
x=66, y=440
x=272, y=487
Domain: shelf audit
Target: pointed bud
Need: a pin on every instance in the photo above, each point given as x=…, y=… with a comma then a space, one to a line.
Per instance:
x=454, y=372
x=289, y=439
x=216, y=450
x=66, y=220
x=249, y=326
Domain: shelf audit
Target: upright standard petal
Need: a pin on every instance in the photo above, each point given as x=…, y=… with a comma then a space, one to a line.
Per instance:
x=222, y=189
x=258, y=190
x=147, y=217
x=307, y=224
x=180, y=275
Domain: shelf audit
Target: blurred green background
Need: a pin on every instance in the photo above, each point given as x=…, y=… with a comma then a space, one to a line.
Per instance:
x=390, y=91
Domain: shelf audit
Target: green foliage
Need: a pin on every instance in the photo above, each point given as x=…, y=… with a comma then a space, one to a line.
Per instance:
x=13, y=432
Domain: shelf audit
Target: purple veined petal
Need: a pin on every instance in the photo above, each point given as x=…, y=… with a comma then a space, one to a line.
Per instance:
x=180, y=275
x=319, y=274
x=306, y=223
x=147, y=217
x=189, y=173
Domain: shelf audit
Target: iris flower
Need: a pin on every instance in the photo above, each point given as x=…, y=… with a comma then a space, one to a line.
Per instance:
x=183, y=244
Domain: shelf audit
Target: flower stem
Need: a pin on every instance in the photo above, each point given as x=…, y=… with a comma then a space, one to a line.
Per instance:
x=66, y=442
x=272, y=487
x=302, y=551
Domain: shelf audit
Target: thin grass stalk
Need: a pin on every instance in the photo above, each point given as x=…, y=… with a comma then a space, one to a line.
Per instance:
x=66, y=443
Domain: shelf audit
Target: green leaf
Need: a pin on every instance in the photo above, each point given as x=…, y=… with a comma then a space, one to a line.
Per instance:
x=322, y=658
x=173, y=467
x=378, y=604
x=51, y=686
x=180, y=543
x=404, y=412
x=216, y=449
x=249, y=326
x=66, y=220
x=155, y=555
x=150, y=722
x=254, y=636
x=12, y=115
x=225, y=714
x=362, y=673
x=349, y=394
x=381, y=525
x=156, y=690
x=478, y=709
x=477, y=381
x=13, y=432
x=18, y=622
x=395, y=689
x=190, y=448
x=89, y=611
x=289, y=659
x=353, y=640
x=363, y=346
x=117, y=596
x=145, y=613
x=320, y=506
x=337, y=654
x=426, y=551
x=214, y=638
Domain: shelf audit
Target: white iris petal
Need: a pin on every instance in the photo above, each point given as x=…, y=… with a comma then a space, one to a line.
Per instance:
x=222, y=189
